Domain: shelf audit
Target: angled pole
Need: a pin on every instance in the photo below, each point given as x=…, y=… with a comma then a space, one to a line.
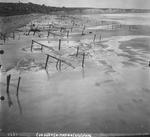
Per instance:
x=46, y=61
x=18, y=86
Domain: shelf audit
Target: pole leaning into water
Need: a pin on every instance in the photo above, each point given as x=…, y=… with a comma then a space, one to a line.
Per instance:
x=18, y=86
x=77, y=51
x=59, y=44
x=32, y=45
x=94, y=37
x=46, y=61
x=83, y=60
x=8, y=83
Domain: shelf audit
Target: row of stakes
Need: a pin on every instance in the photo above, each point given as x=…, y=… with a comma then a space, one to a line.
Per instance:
x=2, y=98
x=59, y=61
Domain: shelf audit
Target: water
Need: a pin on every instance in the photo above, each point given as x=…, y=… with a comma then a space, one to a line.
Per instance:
x=108, y=98
x=126, y=19
x=110, y=95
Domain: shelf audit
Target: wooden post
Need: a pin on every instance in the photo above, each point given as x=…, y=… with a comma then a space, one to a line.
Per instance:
x=149, y=64
x=8, y=82
x=59, y=64
x=100, y=37
x=83, y=30
x=83, y=60
x=48, y=34
x=41, y=47
x=4, y=38
x=94, y=37
x=18, y=86
x=46, y=61
x=77, y=51
x=13, y=35
x=59, y=44
x=61, y=29
x=32, y=45
x=67, y=33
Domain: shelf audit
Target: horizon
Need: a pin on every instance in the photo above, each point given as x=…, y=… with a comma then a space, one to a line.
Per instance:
x=130, y=4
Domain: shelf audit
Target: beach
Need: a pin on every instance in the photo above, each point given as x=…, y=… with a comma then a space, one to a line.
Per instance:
x=110, y=94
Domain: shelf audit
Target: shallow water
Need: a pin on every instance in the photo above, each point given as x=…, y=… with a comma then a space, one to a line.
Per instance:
x=127, y=19
x=108, y=96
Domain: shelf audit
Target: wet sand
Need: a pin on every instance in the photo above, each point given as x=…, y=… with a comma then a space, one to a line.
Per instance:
x=110, y=95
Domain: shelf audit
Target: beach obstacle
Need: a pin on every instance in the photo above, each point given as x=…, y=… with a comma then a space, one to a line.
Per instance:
x=67, y=33
x=59, y=64
x=3, y=36
x=94, y=38
x=13, y=35
x=32, y=45
x=83, y=30
x=77, y=51
x=46, y=61
x=18, y=86
x=59, y=59
x=59, y=44
x=100, y=37
x=8, y=83
x=83, y=60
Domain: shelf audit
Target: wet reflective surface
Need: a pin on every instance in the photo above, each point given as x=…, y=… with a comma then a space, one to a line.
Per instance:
x=109, y=95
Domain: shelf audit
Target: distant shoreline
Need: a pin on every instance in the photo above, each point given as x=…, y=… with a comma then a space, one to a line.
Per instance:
x=11, y=9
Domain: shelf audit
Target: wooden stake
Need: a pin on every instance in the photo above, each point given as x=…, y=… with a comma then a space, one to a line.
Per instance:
x=32, y=45
x=83, y=30
x=18, y=86
x=59, y=44
x=94, y=37
x=4, y=37
x=83, y=60
x=77, y=51
x=48, y=34
x=46, y=61
x=8, y=82
x=13, y=35
x=100, y=37
x=59, y=64
x=67, y=33
x=61, y=29
x=41, y=48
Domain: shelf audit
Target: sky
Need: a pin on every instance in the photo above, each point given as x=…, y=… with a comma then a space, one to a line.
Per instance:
x=140, y=4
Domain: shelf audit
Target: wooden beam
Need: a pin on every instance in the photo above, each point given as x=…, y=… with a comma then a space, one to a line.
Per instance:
x=62, y=60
